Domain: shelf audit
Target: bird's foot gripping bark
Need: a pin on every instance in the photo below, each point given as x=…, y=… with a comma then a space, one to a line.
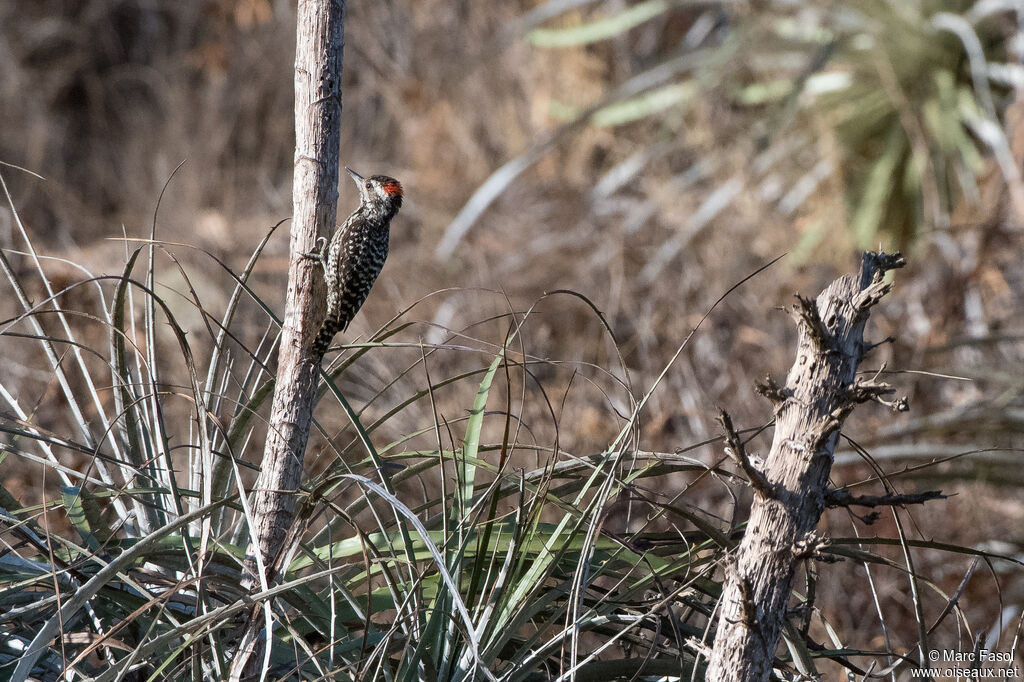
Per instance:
x=319, y=254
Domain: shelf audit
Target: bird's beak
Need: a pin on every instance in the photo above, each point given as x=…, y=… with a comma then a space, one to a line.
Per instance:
x=355, y=176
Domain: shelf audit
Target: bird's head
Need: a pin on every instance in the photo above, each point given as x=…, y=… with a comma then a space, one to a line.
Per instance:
x=378, y=193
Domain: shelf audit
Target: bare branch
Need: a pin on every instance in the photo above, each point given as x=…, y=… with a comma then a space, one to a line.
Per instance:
x=806, y=313
x=735, y=449
x=871, y=346
x=843, y=498
x=811, y=546
x=771, y=390
x=865, y=390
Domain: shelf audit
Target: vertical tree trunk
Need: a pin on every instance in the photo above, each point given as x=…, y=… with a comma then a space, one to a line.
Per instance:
x=318, y=63
x=820, y=392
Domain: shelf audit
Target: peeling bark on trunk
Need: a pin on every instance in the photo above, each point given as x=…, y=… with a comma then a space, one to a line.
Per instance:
x=820, y=391
x=318, y=63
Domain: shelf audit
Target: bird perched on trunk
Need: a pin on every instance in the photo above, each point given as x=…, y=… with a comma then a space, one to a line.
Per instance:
x=356, y=253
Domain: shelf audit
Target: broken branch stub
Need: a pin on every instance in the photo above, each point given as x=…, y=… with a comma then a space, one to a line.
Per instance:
x=820, y=391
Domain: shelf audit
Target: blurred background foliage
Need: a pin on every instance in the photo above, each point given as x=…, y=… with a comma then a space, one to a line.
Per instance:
x=648, y=154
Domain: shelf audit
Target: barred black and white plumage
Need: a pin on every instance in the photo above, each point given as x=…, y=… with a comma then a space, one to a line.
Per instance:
x=356, y=253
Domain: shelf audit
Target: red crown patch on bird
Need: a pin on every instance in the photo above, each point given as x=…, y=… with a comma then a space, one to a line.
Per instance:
x=392, y=187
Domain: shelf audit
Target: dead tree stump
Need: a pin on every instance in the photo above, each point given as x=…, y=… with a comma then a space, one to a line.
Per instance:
x=790, y=492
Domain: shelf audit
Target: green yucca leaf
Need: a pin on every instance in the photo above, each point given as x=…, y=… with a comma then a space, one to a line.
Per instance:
x=763, y=93
x=128, y=405
x=601, y=29
x=880, y=185
x=86, y=515
x=652, y=102
x=471, y=443
x=633, y=109
x=125, y=401
x=502, y=534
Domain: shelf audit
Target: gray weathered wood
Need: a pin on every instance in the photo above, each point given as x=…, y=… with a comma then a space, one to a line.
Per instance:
x=318, y=64
x=820, y=392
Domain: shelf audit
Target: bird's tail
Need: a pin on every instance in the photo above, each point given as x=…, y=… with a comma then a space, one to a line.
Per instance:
x=325, y=336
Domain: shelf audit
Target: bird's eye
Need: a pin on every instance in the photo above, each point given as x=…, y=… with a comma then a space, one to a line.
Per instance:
x=369, y=185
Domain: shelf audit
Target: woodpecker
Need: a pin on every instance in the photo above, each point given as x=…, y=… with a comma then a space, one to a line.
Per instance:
x=356, y=253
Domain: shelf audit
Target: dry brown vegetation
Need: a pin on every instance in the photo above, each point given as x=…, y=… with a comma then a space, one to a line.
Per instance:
x=104, y=99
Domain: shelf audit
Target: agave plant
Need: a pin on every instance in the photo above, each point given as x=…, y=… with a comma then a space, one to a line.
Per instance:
x=898, y=103
x=904, y=90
